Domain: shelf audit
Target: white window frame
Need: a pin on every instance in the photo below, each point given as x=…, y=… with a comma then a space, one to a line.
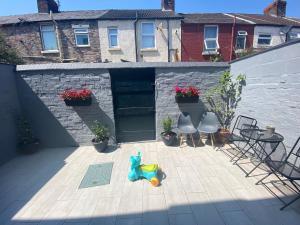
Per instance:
x=109, y=37
x=243, y=34
x=211, y=39
x=258, y=37
x=86, y=32
x=42, y=38
x=148, y=35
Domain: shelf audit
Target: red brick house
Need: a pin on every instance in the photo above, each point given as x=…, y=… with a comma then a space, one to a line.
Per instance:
x=207, y=36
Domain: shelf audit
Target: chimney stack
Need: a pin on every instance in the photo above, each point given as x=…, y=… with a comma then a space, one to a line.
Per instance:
x=45, y=6
x=277, y=8
x=168, y=5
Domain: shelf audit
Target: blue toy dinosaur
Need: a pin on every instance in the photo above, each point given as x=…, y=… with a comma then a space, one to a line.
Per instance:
x=138, y=171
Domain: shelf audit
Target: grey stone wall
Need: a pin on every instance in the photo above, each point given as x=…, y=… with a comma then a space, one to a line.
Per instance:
x=203, y=78
x=55, y=123
x=272, y=94
x=9, y=112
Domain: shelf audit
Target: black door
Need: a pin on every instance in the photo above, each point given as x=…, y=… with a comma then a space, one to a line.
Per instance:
x=134, y=104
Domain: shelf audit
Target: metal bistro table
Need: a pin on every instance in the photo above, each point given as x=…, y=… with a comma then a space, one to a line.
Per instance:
x=260, y=139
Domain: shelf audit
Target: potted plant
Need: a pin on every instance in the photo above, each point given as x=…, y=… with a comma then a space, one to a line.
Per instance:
x=168, y=136
x=27, y=142
x=187, y=95
x=101, y=136
x=77, y=97
x=223, y=100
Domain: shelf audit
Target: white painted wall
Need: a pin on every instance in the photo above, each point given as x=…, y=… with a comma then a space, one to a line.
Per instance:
x=277, y=38
x=126, y=41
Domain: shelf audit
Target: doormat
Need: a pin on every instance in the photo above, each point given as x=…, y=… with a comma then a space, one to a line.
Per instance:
x=97, y=175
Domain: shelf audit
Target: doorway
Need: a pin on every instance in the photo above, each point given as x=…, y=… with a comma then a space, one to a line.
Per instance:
x=134, y=104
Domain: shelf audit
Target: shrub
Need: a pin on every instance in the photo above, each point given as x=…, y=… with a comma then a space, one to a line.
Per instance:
x=167, y=125
x=8, y=54
x=101, y=132
x=25, y=134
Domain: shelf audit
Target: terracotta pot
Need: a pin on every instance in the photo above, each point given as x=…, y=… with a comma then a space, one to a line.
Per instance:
x=222, y=136
x=100, y=146
x=169, y=139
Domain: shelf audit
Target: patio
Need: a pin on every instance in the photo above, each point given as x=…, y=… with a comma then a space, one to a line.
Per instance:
x=200, y=186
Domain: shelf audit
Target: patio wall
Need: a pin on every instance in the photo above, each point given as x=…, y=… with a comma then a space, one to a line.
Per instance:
x=9, y=112
x=40, y=86
x=272, y=94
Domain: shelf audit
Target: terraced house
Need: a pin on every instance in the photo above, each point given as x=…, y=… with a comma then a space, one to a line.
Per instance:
x=95, y=35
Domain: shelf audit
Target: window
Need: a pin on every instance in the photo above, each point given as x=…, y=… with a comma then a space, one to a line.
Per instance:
x=264, y=39
x=148, y=35
x=293, y=36
x=113, y=37
x=82, y=37
x=241, y=40
x=49, y=40
x=211, y=38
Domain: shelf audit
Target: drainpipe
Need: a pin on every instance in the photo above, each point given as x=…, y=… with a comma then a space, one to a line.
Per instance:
x=57, y=37
x=232, y=37
x=169, y=37
x=135, y=36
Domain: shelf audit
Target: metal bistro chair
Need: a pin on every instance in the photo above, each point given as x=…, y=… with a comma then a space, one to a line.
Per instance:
x=287, y=166
x=209, y=125
x=242, y=122
x=186, y=127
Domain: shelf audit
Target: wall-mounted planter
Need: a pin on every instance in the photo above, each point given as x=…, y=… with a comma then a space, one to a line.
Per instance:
x=77, y=102
x=192, y=99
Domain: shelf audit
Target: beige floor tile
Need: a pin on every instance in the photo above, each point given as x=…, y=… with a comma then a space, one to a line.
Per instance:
x=236, y=218
x=182, y=219
x=190, y=180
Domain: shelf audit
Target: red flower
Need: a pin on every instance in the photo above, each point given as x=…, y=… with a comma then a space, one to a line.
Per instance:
x=76, y=94
x=187, y=92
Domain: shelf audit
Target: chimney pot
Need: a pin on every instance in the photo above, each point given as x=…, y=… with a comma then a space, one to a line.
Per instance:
x=168, y=5
x=45, y=6
x=277, y=8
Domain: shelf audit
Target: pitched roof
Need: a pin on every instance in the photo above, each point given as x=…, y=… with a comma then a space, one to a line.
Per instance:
x=241, y=18
x=90, y=14
x=261, y=19
x=210, y=18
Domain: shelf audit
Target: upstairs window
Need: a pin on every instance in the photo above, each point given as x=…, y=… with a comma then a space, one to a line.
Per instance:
x=148, y=35
x=49, y=40
x=113, y=37
x=264, y=39
x=211, y=38
x=82, y=37
x=293, y=36
x=241, y=40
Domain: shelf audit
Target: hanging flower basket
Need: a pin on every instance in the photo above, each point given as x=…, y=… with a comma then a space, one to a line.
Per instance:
x=77, y=97
x=187, y=95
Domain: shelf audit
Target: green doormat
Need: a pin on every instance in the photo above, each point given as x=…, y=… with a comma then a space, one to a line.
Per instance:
x=97, y=175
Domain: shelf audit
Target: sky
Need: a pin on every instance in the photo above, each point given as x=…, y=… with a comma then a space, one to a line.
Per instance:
x=15, y=7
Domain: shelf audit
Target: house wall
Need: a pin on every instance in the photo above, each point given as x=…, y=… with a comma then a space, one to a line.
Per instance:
x=193, y=41
x=9, y=113
x=277, y=38
x=40, y=86
x=126, y=40
x=273, y=89
x=26, y=39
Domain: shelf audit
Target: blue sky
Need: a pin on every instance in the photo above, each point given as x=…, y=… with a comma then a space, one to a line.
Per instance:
x=13, y=7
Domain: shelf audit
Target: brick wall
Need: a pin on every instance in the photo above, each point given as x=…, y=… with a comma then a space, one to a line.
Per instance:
x=193, y=40
x=26, y=39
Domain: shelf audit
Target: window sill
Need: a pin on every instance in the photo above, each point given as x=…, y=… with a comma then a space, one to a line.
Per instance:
x=263, y=46
x=83, y=46
x=114, y=49
x=210, y=52
x=50, y=52
x=149, y=50
x=240, y=51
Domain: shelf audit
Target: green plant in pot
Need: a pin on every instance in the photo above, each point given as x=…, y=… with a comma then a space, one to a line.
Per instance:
x=101, y=132
x=224, y=99
x=168, y=136
x=27, y=142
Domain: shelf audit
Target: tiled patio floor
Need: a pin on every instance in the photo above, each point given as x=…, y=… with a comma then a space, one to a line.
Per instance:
x=200, y=186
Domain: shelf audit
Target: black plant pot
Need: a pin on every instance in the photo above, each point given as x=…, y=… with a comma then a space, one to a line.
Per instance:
x=100, y=146
x=192, y=99
x=29, y=148
x=169, y=139
x=76, y=102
